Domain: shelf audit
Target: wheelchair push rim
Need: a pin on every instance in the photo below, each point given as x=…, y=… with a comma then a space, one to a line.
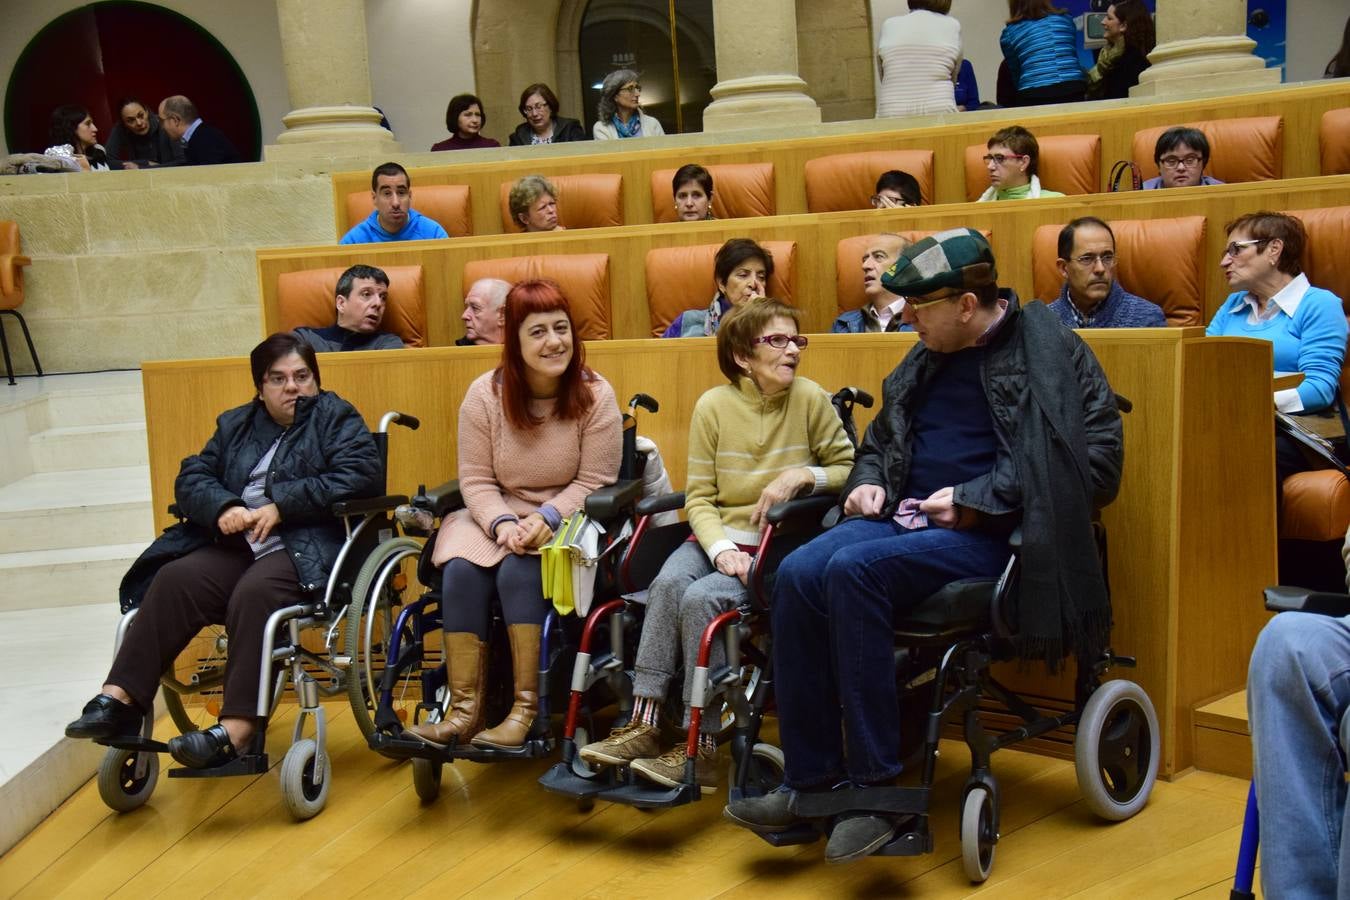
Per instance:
x=370, y=626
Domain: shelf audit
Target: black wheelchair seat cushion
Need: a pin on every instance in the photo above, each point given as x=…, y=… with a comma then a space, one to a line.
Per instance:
x=962, y=606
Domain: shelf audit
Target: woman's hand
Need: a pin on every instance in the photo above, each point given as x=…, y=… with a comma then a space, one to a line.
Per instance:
x=528, y=534
x=234, y=520
x=265, y=520
x=786, y=486
x=941, y=508
x=865, y=500
x=734, y=563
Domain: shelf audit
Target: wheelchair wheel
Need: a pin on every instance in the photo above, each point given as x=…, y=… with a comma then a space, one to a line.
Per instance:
x=978, y=836
x=303, y=794
x=370, y=624
x=1115, y=751
x=199, y=669
x=118, y=784
x=765, y=772
x=426, y=778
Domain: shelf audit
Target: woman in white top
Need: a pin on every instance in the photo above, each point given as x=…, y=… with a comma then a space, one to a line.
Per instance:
x=920, y=59
x=619, y=113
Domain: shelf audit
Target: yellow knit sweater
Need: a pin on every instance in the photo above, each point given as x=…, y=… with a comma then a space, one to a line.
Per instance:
x=740, y=440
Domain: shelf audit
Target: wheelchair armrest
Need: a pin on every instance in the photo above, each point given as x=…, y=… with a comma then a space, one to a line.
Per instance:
x=650, y=506
x=1296, y=599
x=441, y=499
x=367, y=505
x=808, y=510
x=610, y=501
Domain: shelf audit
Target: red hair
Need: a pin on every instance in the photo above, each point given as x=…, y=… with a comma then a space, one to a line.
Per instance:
x=574, y=396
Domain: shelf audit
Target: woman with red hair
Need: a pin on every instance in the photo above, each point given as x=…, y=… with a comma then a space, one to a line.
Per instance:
x=536, y=435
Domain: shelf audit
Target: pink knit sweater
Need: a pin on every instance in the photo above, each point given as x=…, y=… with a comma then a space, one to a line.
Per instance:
x=506, y=471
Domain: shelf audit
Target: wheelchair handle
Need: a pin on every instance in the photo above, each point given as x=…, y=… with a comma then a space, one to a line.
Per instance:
x=646, y=401
x=394, y=417
x=855, y=396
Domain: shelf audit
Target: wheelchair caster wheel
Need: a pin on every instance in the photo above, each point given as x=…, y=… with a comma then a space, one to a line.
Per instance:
x=426, y=778
x=764, y=773
x=119, y=785
x=585, y=805
x=303, y=793
x=978, y=834
x=1115, y=750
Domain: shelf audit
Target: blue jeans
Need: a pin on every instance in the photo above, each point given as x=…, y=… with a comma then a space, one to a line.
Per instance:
x=1298, y=691
x=835, y=602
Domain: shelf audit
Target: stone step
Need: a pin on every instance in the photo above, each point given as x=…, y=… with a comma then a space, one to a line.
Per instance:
x=60, y=510
x=66, y=409
x=38, y=579
x=86, y=446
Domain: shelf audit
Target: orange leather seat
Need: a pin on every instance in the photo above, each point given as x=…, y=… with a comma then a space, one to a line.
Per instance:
x=583, y=278
x=12, y=262
x=584, y=201
x=740, y=190
x=1335, y=139
x=1162, y=260
x=1325, y=257
x=680, y=278
x=845, y=181
x=307, y=298
x=447, y=204
x=1070, y=164
x=848, y=254
x=1239, y=149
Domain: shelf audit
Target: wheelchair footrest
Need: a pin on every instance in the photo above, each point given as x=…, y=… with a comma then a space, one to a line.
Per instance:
x=907, y=843
x=134, y=742
x=248, y=764
x=561, y=779
x=644, y=795
x=803, y=833
x=881, y=800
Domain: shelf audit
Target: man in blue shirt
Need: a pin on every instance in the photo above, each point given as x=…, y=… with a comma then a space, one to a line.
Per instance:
x=1091, y=296
x=393, y=218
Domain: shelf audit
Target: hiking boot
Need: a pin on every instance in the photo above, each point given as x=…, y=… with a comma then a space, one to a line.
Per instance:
x=636, y=740
x=668, y=768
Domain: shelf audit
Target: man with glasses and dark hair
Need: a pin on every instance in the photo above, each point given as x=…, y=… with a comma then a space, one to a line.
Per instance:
x=1181, y=155
x=362, y=295
x=1012, y=162
x=1091, y=296
x=999, y=417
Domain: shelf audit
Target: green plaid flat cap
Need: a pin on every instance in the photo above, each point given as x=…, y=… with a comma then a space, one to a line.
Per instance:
x=958, y=259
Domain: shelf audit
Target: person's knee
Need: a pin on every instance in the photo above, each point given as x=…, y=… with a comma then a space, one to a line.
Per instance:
x=1290, y=646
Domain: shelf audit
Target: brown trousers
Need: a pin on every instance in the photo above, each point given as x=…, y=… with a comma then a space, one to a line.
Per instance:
x=216, y=585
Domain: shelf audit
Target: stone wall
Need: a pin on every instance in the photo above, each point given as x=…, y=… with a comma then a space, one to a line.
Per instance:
x=834, y=54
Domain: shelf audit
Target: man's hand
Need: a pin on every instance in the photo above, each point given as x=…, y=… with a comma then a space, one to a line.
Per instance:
x=234, y=520
x=264, y=521
x=941, y=509
x=735, y=563
x=786, y=486
x=865, y=500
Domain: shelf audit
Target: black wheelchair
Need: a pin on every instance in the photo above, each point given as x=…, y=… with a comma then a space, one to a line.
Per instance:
x=738, y=690
x=130, y=770
x=405, y=681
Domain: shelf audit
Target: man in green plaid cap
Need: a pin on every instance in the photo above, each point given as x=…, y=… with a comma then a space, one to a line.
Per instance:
x=999, y=417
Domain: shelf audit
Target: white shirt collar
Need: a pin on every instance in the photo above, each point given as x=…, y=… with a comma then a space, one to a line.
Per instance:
x=888, y=312
x=1287, y=298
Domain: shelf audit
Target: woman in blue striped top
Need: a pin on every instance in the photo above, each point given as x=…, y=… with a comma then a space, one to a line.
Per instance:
x=1040, y=44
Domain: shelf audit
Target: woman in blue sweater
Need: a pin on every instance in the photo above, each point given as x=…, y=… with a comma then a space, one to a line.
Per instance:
x=1273, y=301
x=1040, y=44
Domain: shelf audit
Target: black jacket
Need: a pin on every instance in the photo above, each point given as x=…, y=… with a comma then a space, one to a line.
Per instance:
x=209, y=146
x=564, y=130
x=155, y=146
x=327, y=455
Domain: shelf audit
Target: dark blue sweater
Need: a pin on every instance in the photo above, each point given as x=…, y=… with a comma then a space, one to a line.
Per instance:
x=953, y=432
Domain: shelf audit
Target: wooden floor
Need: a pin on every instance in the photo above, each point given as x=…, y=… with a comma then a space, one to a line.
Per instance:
x=495, y=833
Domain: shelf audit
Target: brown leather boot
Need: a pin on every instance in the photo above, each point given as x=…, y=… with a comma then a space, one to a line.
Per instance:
x=513, y=730
x=466, y=662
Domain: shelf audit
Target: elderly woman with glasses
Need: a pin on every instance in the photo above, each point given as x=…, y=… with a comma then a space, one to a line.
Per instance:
x=257, y=535
x=1273, y=301
x=763, y=438
x=619, y=113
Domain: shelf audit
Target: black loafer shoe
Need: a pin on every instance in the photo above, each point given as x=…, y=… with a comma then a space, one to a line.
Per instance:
x=105, y=717
x=203, y=749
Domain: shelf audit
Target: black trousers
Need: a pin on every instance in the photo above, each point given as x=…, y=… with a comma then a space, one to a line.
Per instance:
x=217, y=585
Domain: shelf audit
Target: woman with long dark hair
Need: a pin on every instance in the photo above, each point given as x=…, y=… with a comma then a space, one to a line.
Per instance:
x=1339, y=67
x=1130, y=38
x=74, y=136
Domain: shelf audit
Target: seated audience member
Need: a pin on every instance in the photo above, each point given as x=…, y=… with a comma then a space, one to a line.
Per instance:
x=138, y=137
x=881, y=310
x=465, y=119
x=967, y=88
x=1012, y=163
x=258, y=535
x=619, y=113
x=1273, y=301
x=362, y=295
x=741, y=270
x=536, y=435
x=1339, y=66
x=1298, y=696
x=74, y=136
x=393, y=218
x=919, y=61
x=1040, y=45
x=895, y=189
x=949, y=465
x=1130, y=37
x=693, y=189
x=533, y=202
x=203, y=144
x=543, y=125
x=1091, y=296
x=766, y=412
x=483, y=314
x=1181, y=154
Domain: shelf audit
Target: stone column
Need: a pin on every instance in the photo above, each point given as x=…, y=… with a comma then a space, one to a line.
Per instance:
x=323, y=46
x=1203, y=44
x=758, y=85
